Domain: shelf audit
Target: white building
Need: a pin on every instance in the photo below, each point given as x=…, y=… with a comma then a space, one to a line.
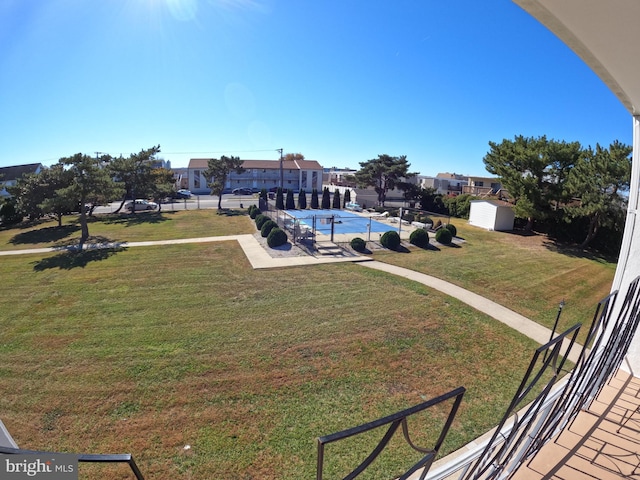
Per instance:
x=259, y=174
x=491, y=215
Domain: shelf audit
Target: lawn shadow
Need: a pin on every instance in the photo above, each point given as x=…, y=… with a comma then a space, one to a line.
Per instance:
x=73, y=258
x=131, y=219
x=572, y=250
x=45, y=235
x=227, y=212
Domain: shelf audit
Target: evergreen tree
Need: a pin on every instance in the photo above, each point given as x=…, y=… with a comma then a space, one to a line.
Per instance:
x=383, y=174
x=326, y=199
x=290, y=203
x=336, y=200
x=279, y=199
x=314, y=199
x=533, y=171
x=89, y=181
x=218, y=171
x=302, y=200
x=347, y=197
x=597, y=181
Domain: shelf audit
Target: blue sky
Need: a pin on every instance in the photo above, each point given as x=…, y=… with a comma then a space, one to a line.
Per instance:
x=339, y=81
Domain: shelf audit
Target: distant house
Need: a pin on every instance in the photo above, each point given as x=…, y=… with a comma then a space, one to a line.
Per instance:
x=449, y=184
x=338, y=176
x=482, y=186
x=10, y=175
x=492, y=215
x=259, y=174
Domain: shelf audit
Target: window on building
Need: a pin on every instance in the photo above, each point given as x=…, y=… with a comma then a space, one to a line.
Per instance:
x=196, y=179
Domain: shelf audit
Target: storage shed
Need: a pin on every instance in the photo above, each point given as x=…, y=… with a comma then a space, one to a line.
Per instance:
x=492, y=215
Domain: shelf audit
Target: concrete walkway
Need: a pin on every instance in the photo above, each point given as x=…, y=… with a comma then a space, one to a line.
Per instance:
x=260, y=258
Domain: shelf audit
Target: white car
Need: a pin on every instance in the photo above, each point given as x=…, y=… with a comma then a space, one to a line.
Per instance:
x=140, y=205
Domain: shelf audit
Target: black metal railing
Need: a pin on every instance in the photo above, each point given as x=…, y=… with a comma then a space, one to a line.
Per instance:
x=394, y=421
x=514, y=443
x=542, y=374
x=84, y=457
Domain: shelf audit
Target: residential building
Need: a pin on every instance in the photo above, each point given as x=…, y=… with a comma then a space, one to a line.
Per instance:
x=482, y=186
x=259, y=174
x=10, y=175
x=449, y=184
x=338, y=176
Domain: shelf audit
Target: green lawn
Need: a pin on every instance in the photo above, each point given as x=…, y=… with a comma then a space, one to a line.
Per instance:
x=127, y=227
x=529, y=275
x=147, y=350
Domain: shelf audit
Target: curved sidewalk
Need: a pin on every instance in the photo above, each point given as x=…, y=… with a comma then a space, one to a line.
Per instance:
x=260, y=258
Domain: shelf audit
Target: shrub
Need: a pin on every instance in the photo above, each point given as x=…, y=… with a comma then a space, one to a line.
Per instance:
x=289, y=203
x=390, y=240
x=260, y=219
x=419, y=238
x=254, y=212
x=444, y=236
x=276, y=237
x=336, y=200
x=267, y=226
x=409, y=217
x=358, y=244
x=452, y=229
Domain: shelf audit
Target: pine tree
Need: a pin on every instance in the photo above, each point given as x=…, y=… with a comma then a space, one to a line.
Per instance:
x=326, y=199
x=336, y=200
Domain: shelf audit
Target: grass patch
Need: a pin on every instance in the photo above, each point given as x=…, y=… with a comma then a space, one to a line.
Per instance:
x=151, y=349
x=529, y=275
x=142, y=226
x=156, y=348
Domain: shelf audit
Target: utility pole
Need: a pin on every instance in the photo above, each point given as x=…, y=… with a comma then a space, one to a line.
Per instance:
x=281, y=170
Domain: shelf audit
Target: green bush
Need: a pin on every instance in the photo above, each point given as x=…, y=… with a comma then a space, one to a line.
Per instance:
x=266, y=228
x=409, y=217
x=358, y=244
x=390, y=240
x=444, y=236
x=260, y=219
x=419, y=238
x=276, y=237
x=254, y=212
x=452, y=229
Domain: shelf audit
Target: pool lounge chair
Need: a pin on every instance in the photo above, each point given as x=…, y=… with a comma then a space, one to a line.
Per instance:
x=8, y=446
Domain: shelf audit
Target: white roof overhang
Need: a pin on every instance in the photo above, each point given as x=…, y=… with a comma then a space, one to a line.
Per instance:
x=604, y=33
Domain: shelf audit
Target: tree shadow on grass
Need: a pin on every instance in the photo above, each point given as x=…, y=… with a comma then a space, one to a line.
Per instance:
x=231, y=213
x=45, y=235
x=74, y=258
x=575, y=251
x=130, y=219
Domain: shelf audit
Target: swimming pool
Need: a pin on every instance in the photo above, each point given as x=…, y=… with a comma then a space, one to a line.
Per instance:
x=344, y=222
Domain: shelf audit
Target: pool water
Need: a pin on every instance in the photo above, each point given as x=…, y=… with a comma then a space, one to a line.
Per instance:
x=344, y=222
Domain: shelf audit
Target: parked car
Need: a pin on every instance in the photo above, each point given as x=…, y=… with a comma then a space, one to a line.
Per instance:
x=242, y=191
x=182, y=193
x=140, y=204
